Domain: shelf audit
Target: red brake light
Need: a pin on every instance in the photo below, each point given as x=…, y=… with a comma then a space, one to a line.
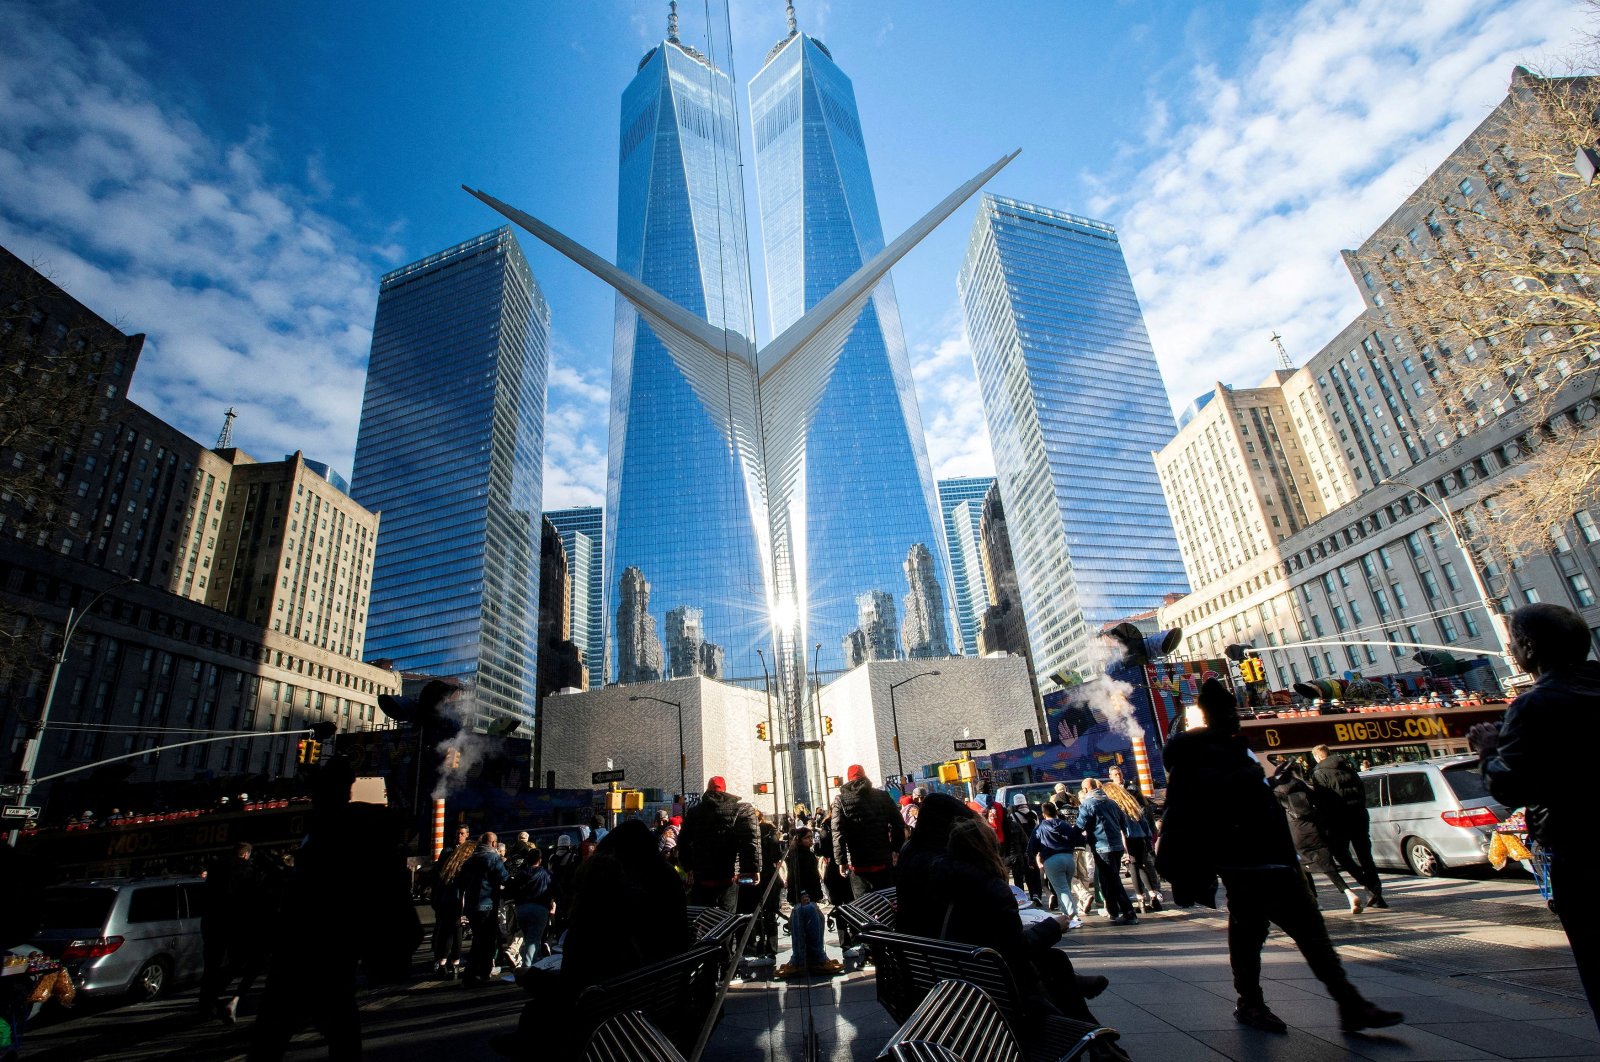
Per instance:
x=1470, y=817
x=92, y=948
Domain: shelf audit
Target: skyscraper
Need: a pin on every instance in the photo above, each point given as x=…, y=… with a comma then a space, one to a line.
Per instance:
x=961, y=505
x=868, y=492
x=1076, y=406
x=677, y=512
x=450, y=452
x=582, y=532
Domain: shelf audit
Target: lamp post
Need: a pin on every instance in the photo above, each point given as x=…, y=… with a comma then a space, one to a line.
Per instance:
x=772, y=738
x=1496, y=620
x=894, y=717
x=683, y=758
x=816, y=708
x=30, y=749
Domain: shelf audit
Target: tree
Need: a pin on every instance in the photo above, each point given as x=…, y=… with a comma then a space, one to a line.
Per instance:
x=1501, y=296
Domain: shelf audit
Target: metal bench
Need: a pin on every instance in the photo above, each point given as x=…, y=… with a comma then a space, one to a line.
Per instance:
x=629, y=1037
x=909, y=968
x=956, y=1021
x=713, y=925
x=875, y=910
x=676, y=995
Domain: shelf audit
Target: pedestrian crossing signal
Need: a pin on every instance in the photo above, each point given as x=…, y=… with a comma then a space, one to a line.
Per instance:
x=763, y=787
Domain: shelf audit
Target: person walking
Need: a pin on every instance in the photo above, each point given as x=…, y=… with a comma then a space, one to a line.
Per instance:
x=532, y=889
x=1141, y=837
x=1222, y=820
x=445, y=899
x=867, y=833
x=1526, y=762
x=1341, y=799
x=1105, y=826
x=1053, y=849
x=481, y=879
x=719, y=847
x=666, y=834
x=1022, y=822
x=232, y=894
x=1305, y=826
x=563, y=867
x=758, y=899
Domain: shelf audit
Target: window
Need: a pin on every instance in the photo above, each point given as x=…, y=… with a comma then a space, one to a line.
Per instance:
x=1338, y=617
x=1587, y=527
x=1400, y=596
x=1383, y=558
x=1558, y=536
x=1414, y=544
x=158, y=903
x=1430, y=585
x=1530, y=596
x=1382, y=598
x=1581, y=590
x=1447, y=627
x=1472, y=624
x=1410, y=787
x=1450, y=576
x=1316, y=625
x=1398, y=650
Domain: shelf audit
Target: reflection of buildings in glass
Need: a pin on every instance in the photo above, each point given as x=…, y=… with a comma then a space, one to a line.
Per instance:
x=961, y=503
x=450, y=452
x=561, y=663
x=876, y=635
x=676, y=500
x=868, y=492
x=638, y=648
x=1076, y=406
x=688, y=652
x=924, y=630
x=581, y=536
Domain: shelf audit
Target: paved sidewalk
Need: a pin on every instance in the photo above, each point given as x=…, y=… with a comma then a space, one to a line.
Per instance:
x=1479, y=967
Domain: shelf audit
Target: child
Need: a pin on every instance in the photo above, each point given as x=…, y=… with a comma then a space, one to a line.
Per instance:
x=805, y=921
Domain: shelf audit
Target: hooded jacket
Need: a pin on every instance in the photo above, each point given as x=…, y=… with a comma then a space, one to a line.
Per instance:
x=1057, y=836
x=1104, y=822
x=866, y=826
x=1339, y=792
x=1531, y=764
x=1304, y=826
x=720, y=840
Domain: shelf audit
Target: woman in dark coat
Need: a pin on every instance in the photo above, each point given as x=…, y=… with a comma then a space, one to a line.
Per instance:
x=1310, y=839
x=952, y=884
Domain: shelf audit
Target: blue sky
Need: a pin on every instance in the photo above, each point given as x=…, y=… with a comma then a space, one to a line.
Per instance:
x=233, y=179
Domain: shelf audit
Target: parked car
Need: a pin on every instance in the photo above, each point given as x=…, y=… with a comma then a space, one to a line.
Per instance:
x=117, y=935
x=1036, y=792
x=1431, y=815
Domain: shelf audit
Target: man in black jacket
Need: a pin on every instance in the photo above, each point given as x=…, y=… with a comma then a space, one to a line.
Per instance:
x=1341, y=801
x=1527, y=762
x=867, y=832
x=719, y=847
x=1222, y=820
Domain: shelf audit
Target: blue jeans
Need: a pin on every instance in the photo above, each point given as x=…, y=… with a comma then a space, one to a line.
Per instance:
x=532, y=917
x=1058, y=870
x=805, y=927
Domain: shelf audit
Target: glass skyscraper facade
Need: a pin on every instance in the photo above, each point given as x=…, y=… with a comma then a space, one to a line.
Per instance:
x=582, y=538
x=679, y=531
x=868, y=494
x=451, y=454
x=961, y=505
x=1076, y=407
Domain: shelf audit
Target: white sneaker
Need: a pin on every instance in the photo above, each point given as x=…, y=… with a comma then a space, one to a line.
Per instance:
x=1356, y=906
x=230, y=1010
x=1076, y=923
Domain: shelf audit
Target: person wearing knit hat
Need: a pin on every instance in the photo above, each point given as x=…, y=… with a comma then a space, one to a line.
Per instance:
x=864, y=832
x=719, y=847
x=1222, y=820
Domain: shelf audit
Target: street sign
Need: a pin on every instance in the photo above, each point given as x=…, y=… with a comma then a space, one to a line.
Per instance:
x=602, y=777
x=19, y=812
x=10, y=790
x=971, y=745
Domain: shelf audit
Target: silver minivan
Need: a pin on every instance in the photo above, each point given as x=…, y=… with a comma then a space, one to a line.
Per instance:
x=1431, y=815
x=117, y=935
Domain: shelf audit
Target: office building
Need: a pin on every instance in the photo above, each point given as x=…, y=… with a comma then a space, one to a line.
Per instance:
x=582, y=532
x=450, y=452
x=869, y=500
x=1075, y=406
x=677, y=512
x=961, y=504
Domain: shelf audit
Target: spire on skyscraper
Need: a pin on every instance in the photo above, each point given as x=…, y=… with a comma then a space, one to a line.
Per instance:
x=672, y=21
x=225, y=439
x=788, y=9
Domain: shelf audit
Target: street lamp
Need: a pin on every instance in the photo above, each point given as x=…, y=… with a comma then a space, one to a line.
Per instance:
x=683, y=759
x=30, y=749
x=894, y=717
x=772, y=737
x=1496, y=620
x=816, y=710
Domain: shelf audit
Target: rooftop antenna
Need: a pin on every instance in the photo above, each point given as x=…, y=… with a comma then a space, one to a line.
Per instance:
x=1283, y=355
x=789, y=10
x=225, y=440
x=672, y=21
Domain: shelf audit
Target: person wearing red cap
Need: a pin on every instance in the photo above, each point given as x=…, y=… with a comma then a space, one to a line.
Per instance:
x=719, y=847
x=866, y=833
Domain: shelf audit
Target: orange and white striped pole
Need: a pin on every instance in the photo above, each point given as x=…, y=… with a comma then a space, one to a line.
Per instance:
x=438, y=828
x=1141, y=765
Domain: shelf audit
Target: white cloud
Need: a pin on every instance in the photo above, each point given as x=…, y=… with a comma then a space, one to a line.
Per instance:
x=249, y=295
x=574, y=431
x=947, y=392
x=1234, y=214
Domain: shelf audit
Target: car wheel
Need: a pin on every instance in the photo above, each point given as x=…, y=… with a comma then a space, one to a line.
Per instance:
x=1421, y=859
x=153, y=978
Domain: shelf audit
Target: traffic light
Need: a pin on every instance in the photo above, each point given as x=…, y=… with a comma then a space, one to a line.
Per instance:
x=763, y=787
x=452, y=759
x=314, y=752
x=761, y=731
x=1251, y=669
x=302, y=752
x=827, y=724
x=835, y=782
